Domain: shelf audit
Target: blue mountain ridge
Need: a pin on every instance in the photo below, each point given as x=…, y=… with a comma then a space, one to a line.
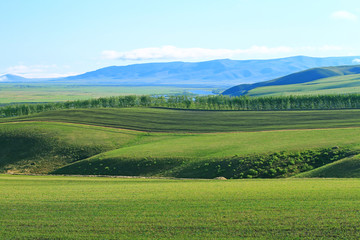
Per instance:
x=215, y=73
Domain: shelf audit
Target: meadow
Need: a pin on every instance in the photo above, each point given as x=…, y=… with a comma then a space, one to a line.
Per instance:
x=57, y=207
x=291, y=174
x=42, y=92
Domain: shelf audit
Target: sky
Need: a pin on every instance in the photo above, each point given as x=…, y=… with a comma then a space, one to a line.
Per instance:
x=42, y=38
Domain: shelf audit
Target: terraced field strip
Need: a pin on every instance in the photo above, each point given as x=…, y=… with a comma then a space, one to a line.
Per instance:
x=168, y=120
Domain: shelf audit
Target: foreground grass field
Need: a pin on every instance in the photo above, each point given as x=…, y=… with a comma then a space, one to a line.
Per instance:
x=104, y=208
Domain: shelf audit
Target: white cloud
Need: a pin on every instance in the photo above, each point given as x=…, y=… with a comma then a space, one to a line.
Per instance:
x=175, y=53
x=3, y=78
x=331, y=48
x=36, y=71
x=356, y=60
x=168, y=53
x=344, y=15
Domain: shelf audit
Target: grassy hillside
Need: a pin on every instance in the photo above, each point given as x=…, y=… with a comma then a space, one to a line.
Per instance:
x=51, y=207
x=167, y=120
x=332, y=85
x=212, y=155
x=296, y=78
x=345, y=168
x=44, y=147
x=176, y=142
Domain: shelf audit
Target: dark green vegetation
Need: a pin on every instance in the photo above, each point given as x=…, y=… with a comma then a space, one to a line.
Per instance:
x=177, y=143
x=104, y=208
x=345, y=168
x=321, y=102
x=307, y=76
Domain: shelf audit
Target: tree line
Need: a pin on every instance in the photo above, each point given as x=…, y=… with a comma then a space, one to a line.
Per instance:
x=218, y=102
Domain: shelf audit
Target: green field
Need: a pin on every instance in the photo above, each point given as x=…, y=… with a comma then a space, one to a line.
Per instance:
x=180, y=144
x=332, y=85
x=104, y=208
x=37, y=92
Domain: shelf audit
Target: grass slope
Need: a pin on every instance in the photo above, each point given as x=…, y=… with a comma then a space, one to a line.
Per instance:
x=332, y=85
x=345, y=168
x=44, y=147
x=220, y=145
x=166, y=120
x=296, y=78
x=213, y=155
x=103, y=208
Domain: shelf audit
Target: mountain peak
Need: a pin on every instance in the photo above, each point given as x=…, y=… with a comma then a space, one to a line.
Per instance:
x=11, y=78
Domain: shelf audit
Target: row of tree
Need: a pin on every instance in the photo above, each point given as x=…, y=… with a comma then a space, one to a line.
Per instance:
x=219, y=102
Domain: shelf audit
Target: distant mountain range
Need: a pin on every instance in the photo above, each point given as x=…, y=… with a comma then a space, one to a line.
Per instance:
x=306, y=82
x=216, y=73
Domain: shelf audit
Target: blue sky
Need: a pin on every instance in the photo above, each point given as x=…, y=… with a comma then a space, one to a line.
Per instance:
x=43, y=38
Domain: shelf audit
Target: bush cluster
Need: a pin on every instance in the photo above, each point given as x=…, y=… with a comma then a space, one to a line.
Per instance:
x=274, y=165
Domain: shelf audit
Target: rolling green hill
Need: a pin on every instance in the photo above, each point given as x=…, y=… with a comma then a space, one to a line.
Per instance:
x=344, y=168
x=331, y=85
x=177, y=143
x=281, y=153
x=43, y=147
x=303, y=77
